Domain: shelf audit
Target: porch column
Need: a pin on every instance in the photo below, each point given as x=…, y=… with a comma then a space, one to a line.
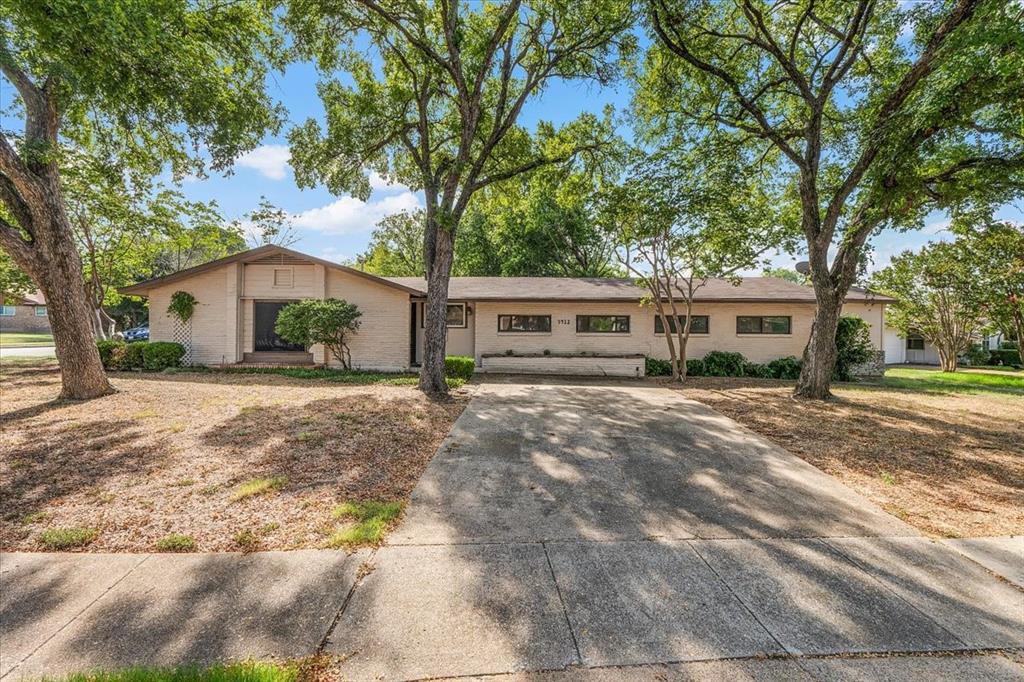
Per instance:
x=232, y=313
x=319, y=291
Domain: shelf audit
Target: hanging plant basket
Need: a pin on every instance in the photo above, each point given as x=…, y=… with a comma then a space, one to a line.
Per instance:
x=183, y=304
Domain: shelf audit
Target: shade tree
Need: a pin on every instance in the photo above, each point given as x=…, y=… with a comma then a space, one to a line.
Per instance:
x=432, y=97
x=160, y=79
x=875, y=113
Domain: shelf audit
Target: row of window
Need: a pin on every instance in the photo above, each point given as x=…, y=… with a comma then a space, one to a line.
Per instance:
x=619, y=324
x=9, y=311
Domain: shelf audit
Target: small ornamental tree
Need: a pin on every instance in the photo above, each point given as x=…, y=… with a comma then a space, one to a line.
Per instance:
x=940, y=297
x=330, y=322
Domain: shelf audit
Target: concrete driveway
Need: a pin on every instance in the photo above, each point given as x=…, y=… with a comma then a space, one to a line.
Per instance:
x=598, y=524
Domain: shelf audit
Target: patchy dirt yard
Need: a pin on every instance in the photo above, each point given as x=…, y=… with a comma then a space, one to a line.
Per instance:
x=951, y=464
x=230, y=462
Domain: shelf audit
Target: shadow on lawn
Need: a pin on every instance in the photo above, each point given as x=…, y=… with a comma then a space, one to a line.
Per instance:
x=360, y=446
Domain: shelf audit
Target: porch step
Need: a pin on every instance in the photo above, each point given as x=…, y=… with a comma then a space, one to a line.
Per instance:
x=278, y=358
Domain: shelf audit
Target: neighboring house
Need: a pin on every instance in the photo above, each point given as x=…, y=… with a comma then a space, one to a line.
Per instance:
x=529, y=324
x=25, y=314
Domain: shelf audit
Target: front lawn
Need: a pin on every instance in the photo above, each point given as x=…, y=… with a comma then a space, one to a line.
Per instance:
x=966, y=380
x=945, y=454
x=25, y=339
x=208, y=461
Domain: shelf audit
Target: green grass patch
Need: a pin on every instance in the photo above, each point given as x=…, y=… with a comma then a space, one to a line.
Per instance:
x=25, y=339
x=258, y=486
x=934, y=381
x=57, y=539
x=175, y=542
x=35, y=517
x=368, y=523
x=234, y=672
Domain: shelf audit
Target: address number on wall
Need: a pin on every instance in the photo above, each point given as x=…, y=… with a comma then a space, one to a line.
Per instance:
x=565, y=322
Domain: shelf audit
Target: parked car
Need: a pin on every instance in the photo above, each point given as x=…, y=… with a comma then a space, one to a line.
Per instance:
x=137, y=333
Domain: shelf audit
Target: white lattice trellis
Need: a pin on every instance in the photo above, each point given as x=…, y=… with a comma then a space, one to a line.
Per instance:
x=183, y=335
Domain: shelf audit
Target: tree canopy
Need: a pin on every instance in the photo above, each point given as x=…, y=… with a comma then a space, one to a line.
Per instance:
x=872, y=113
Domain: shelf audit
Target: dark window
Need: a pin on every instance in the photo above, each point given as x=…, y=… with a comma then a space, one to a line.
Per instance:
x=602, y=324
x=698, y=325
x=456, y=315
x=915, y=343
x=524, y=323
x=763, y=324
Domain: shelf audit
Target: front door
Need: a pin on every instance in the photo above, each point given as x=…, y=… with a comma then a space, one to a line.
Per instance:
x=265, y=338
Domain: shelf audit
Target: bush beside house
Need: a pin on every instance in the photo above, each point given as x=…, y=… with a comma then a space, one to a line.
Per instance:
x=153, y=356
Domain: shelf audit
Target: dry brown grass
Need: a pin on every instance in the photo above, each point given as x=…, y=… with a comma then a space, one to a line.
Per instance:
x=168, y=453
x=950, y=464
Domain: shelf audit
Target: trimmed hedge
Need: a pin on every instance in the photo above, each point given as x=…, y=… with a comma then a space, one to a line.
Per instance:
x=149, y=355
x=459, y=367
x=720, y=363
x=107, y=349
x=159, y=355
x=694, y=367
x=785, y=368
x=1004, y=356
x=655, y=367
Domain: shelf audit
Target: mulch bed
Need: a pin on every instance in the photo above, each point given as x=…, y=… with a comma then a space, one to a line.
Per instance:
x=167, y=452
x=951, y=465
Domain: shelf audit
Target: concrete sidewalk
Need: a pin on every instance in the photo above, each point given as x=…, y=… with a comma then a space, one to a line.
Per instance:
x=596, y=531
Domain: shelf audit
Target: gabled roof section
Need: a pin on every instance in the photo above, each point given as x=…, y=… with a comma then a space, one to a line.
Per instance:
x=749, y=289
x=269, y=254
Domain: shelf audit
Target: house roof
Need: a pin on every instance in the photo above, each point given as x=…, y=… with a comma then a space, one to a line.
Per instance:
x=748, y=289
x=256, y=254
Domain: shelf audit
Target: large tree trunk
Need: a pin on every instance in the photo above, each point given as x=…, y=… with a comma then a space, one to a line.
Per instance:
x=58, y=272
x=435, y=320
x=819, y=359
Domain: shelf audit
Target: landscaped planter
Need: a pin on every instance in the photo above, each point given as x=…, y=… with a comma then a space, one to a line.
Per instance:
x=579, y=365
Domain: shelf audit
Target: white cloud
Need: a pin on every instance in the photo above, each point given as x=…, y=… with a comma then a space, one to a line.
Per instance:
x=378, y=183
x=334, y=255
x=349, y=215
x=270, y=160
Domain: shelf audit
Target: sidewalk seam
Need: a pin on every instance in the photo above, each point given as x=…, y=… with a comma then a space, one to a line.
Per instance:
x=76, y=616
x=739, y=599
x=561, y=600
x=863, y=568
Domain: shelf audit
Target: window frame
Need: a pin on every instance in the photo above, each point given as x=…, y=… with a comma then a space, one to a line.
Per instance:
x=465, y=315
x=762, y=332
x=915, y=338
x=44, y=313
x=657, y=322
x=523, y=331
x=5, y=308
x=627, y=330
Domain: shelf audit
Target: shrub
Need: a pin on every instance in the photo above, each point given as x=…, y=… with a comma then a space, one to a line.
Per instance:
x=67, y=538
x=757, y=370
x=183, y=304
x=131, y=355
x=719, y=363
x=853, y=346
x=1004, y=356
x=694, y=367
x=459, y=367
x=655, y=367
x=175, y=542
x=158, y=355
x=107, y=349
x=785, y=368
x=977, y=356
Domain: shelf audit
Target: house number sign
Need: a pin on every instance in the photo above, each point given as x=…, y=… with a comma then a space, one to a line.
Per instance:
x=564, y=321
